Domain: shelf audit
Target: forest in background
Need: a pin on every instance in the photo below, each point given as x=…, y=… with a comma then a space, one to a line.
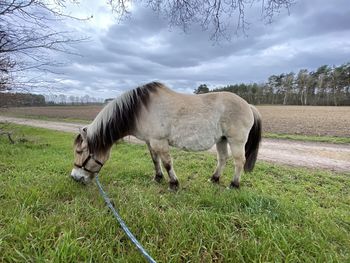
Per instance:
x=8, y=99
x=21, y=99
x=327, y=86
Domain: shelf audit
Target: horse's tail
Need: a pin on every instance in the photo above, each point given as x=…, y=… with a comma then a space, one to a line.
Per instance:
x=254, y=138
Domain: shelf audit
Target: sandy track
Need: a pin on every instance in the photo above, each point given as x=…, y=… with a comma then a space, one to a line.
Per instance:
x=307, y=154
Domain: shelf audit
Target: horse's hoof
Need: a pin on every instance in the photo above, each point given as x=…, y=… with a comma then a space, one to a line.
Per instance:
x=234, y=185
x=214, y=179
x=158, y=178
x=174, y=186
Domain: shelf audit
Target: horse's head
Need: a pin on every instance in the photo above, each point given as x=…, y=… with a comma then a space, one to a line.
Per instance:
x=86, y=163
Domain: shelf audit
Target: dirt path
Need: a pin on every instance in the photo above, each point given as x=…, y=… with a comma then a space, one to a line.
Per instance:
x=308, y=154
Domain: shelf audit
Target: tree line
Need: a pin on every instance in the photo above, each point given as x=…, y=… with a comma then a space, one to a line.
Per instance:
x=21, y=99
x=8, y=99
x=61, y=99
x=327, y=85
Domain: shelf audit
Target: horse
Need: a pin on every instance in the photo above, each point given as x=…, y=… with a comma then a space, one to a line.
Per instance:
x=162, y=118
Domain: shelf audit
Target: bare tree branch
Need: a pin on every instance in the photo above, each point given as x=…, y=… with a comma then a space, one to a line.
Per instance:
x=220, y=17
x=29, y=37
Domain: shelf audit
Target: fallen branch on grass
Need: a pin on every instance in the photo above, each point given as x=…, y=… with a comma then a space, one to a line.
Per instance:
x=8, y=136
x=3, y=127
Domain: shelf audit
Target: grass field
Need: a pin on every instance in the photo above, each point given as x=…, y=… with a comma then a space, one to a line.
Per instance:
x=307, y=123
x=280, y=214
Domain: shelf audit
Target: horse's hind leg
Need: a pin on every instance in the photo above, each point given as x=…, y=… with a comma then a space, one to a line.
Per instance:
x=161, y=147
x=156, y=161
x=238, y=154
x=222, y=155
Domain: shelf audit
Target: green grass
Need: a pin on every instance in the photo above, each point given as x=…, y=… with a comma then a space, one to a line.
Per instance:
x=280, y=214
x=309, y=138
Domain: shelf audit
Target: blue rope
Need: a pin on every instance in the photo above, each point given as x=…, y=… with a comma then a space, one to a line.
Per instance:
x=122, y=223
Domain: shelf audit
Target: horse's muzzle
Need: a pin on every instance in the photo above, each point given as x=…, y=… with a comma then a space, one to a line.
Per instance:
x=81, y=176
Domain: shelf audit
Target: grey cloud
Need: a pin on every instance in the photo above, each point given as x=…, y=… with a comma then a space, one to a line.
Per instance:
x=144, y=48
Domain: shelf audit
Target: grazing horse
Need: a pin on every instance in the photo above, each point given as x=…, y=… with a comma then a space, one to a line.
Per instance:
x=161, y=117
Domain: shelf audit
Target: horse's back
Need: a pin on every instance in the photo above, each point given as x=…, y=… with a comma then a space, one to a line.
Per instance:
x=193, y=122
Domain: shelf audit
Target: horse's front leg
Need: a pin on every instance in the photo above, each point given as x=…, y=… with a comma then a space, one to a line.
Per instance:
x=156, y=161
x=161, y=147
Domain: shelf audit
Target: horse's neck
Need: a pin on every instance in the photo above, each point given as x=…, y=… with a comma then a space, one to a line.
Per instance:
x=102, y=132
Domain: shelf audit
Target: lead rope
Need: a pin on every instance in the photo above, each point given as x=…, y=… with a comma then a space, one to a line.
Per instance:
x=122, y=223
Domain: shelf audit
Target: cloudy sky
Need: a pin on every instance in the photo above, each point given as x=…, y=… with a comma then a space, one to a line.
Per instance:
x=143, y=48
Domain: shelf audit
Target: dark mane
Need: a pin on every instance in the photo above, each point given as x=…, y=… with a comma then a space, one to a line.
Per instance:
x=119, y=117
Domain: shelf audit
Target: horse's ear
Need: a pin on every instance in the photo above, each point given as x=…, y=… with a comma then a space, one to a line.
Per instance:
x=83, y=132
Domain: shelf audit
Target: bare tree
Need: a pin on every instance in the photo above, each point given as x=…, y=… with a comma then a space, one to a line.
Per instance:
x=62, y=99
x=28, y=38
x=304, y=81
x=287, y=86
x=219, y=17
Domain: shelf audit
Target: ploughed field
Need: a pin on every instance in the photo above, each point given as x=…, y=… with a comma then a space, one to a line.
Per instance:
x=306, y=120
x=300, y=120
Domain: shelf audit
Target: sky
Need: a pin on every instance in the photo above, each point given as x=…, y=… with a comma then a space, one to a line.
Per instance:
x=121, y=55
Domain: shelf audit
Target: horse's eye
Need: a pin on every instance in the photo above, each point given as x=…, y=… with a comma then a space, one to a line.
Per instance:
x=79, y=151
